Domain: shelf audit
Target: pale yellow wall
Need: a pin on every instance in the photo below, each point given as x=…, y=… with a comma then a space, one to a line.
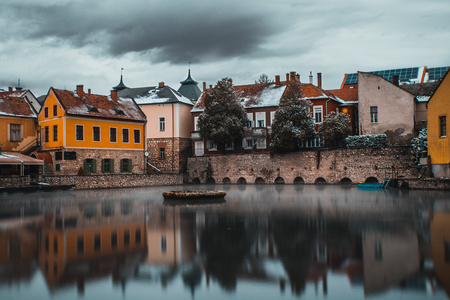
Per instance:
x=395, y=106
x=29, y=129
x=439, y=105
x=178, y=120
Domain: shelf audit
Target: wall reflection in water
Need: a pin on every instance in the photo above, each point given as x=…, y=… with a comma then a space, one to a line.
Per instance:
x=294, y=239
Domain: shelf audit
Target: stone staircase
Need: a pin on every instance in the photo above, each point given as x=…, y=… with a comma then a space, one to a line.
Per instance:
x=27, y=145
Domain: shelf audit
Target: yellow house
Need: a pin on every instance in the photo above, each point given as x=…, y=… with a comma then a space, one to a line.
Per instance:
x=18, y=121
x=89, y=133
x=438, y=129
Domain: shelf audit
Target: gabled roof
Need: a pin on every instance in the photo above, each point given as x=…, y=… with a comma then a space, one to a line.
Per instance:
x=422, y=91
x=437, y=87
x=154, y=95
x=269, y=95
x=99, y=106
x=346, y=95
x=14, y=103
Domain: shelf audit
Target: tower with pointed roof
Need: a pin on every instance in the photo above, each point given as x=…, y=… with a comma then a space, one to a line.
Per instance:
x=121, y=85
x=189, y=88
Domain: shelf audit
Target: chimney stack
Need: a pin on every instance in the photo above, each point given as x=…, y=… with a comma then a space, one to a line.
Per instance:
x=89, y=91
x=298, y=77
x=210, y=86
x=114, y=95
x=293, y=76
x=310, y=77
x=287, y=77
x=204, y=86
x=10, y=89
x=161, y=84
x=319, y=80
x=80, y=90
x=395, y=80
x=277, y=79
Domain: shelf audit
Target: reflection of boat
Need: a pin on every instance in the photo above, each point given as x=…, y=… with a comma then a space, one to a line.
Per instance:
x=193, y=202
x=196, y=195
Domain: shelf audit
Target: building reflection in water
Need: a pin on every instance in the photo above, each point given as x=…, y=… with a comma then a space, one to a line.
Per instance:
x=290, y=250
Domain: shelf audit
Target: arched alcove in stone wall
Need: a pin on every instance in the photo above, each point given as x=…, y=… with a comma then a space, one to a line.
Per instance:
x=299, y=180
x=241, y=180
x=226, y=180
x=345, y=180
x=259, y=180
x=279, y=180
x=320, y=180
x=211, y=180
x=196, y=181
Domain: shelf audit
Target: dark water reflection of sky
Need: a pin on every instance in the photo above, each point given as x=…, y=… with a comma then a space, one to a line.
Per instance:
x=264, y=242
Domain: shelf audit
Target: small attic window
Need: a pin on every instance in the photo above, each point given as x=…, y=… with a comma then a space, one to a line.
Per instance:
x=91, y=108
x=118, y=111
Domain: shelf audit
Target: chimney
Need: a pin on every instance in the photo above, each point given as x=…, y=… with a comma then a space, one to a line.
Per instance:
x=10, y=88
x=293, y=76
x=319, y=80
x=298, y=77
x=89, y=91
x=204, y=86
x=114, y=95
x=287, y=77
x=277, y=79
x=310, y=77
x=395, y=80
x=80, y=91
x=210, y=86
x=161, y=84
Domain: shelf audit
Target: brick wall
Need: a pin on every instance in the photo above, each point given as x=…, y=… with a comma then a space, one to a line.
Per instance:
x=331, y=165
x=176, y=152
x=71, y=167
x=115, y=180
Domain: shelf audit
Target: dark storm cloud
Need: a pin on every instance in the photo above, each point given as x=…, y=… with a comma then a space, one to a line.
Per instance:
x=170, y=33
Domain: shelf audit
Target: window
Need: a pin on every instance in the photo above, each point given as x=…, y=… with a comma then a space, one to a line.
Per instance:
x=15, y=133
x=46, y=134
x=97, y=242
x=58, y=155
x=196, y=127
x=249, y=120
x=107, y=165
x=90, y=211
x=70, y=155
x=113, y=134
x=125, y=165
x=261, y=119
x=137, y=236
x=161, y=153
x=55, y=133
x=45, y=112
x=114, y=240
x=163, y=244
x=318, y=114
x=125, y=135
x=79, y=133
x=57, y=167
x=374, y=114
x=442, y=126
x=229, y=146
x=107, y=209
x=96, y=134
x=55, y=110
x=90, y=165
x=55, y=245
x=126, y=207
x=47, y=244
x=261, y=143
x=248, y=143
x=162, y=124
x=137, y=136
x=126, y=238
x=272, y=116
x=80, y=245
x=211, y=145
x=378, y=251
x=199, y=151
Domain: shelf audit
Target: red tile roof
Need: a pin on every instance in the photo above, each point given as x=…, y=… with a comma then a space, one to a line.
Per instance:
x=349, y=95
x=99, y=106
x=13, y=104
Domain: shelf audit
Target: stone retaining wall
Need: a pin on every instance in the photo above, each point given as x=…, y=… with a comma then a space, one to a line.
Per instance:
x=115, y=180
x=331, y=166
x=14, y=181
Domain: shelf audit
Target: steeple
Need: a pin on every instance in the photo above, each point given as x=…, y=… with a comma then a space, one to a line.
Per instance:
x=121, y=85
x=18, y=87
x=189, y=87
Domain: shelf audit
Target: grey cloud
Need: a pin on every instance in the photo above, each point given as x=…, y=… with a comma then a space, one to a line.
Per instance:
x=173, y=35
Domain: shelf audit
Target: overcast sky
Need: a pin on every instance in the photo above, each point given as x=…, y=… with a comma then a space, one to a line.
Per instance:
x=62, y=43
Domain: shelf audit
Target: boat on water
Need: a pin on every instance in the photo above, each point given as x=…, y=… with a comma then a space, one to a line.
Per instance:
x=370, y=186
x=196, y=195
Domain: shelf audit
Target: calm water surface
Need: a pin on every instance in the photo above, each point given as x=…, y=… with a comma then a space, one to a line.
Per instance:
x=264, y=242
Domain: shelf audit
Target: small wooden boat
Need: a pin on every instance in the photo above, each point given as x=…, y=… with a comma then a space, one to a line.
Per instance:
x=197, y=195
x=370, y=186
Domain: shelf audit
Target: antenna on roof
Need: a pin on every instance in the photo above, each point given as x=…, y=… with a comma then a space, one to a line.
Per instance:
x=18, y=87
x=189, y=70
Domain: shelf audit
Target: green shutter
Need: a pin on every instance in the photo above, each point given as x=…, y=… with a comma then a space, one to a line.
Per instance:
x=94, y=166
x=111, y=170
x=129, y=165
x=86, y=166
x=103, y=165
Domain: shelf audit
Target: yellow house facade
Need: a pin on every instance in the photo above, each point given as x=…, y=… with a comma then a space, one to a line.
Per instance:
x=439, y=130
x=89, y=133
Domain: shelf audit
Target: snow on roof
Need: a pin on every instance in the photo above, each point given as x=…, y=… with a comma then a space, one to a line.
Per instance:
x=15, y=104
x=269, y=96
x=155, y=95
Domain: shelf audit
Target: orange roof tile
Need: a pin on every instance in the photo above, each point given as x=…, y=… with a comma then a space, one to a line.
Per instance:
x=12, y=104
x=346, y=94
x=100, y=106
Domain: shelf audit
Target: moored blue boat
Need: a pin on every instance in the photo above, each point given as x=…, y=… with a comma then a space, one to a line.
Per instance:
x=370, y=186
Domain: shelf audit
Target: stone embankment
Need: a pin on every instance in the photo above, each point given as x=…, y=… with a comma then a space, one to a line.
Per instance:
x=313, y=166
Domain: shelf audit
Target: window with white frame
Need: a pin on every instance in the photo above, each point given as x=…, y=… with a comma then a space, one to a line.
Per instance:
x=125, y=135
x=211, y=145
x=196, y=127
x=261, y=143
x=137, y=136
x=96, y=133
x=248, y=143
x=249, y=119
x=113, y=134
x=162, y=124
x=374, y=114
x=199, y=151
x=260, y=119
x=15, y=132
x=79, y=132
x=272, y=116
x=318, y=114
